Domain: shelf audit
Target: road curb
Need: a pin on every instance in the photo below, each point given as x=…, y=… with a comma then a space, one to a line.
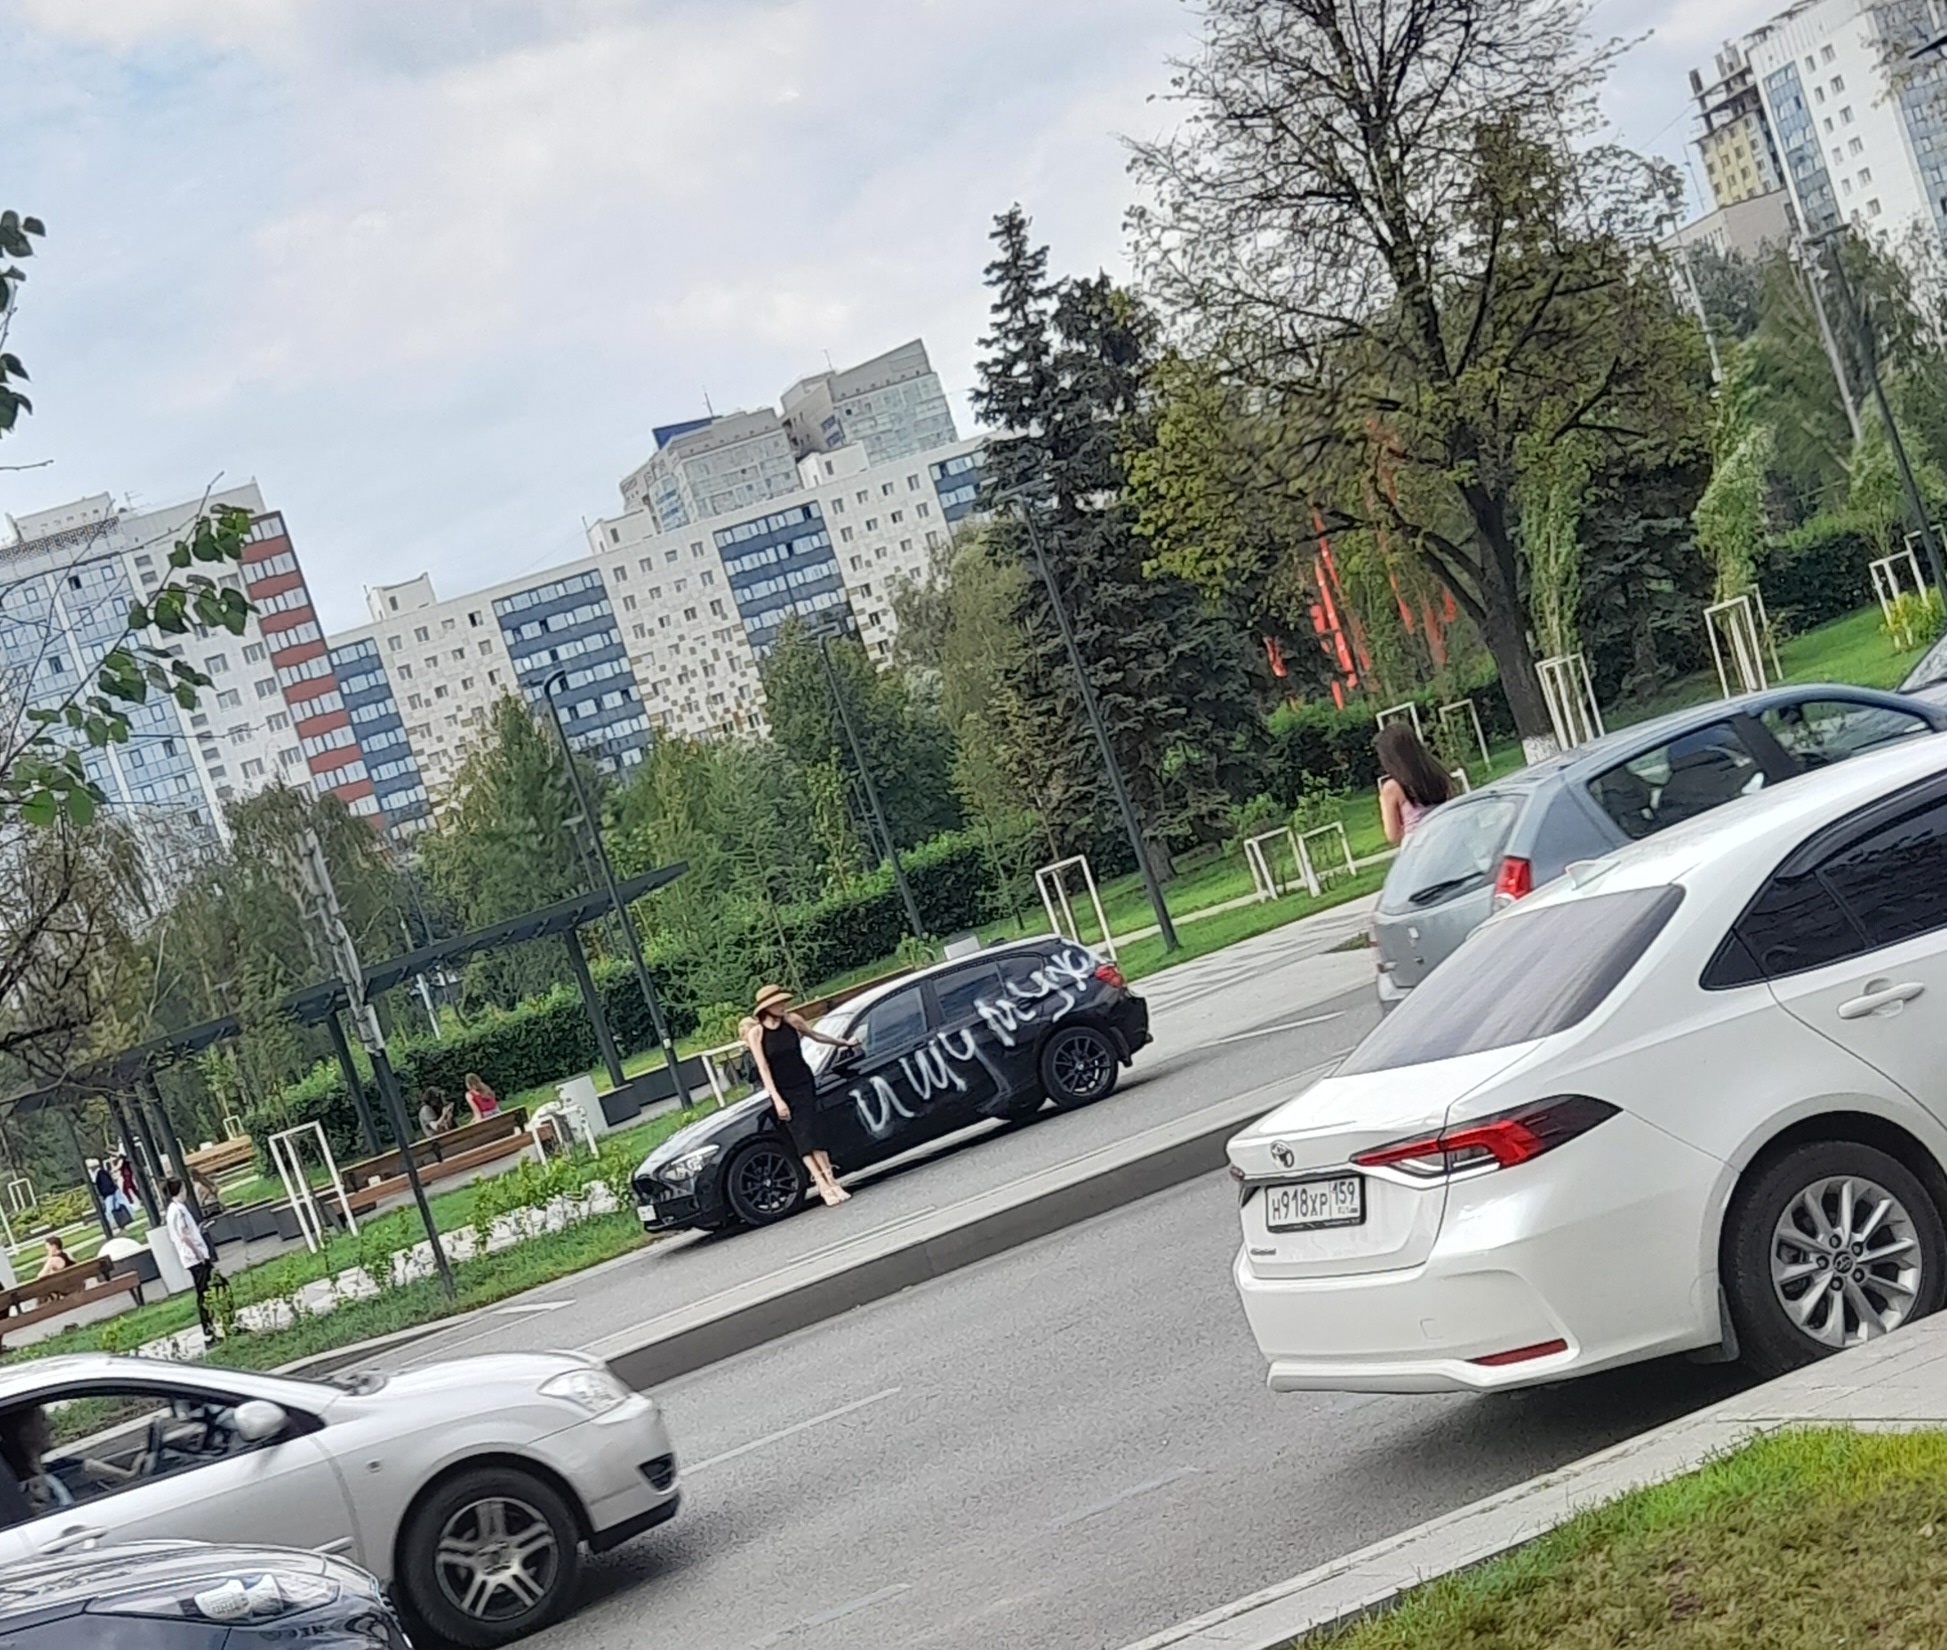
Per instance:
x=961, y=1235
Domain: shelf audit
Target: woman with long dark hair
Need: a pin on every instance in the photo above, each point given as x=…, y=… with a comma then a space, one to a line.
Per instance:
x=1412, y=782
x=775, y=1033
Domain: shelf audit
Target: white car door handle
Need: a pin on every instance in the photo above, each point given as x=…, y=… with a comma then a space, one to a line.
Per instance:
x=75, y=1538
x=1878, y=997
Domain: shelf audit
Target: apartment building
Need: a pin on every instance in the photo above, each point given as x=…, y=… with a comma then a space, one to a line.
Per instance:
x=1852, y=145
x=711, y=465
x=273, y=709
x=892, y=406
x=1739, y=156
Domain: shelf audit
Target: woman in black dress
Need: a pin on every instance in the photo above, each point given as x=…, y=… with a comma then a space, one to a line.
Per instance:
x=775, y=1036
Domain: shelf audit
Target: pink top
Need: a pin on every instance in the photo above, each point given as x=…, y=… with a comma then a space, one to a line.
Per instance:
x=1410, y=814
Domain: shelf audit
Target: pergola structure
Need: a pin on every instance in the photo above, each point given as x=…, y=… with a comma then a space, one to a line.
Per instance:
x=126, y=1081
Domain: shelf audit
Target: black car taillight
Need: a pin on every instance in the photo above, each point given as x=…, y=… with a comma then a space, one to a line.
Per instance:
x=1498, y=1142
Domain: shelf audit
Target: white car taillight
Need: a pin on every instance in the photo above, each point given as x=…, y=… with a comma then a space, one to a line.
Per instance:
x=1497, y=1142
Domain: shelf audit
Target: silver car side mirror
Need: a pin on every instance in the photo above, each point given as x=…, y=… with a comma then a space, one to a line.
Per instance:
x=258, y=1420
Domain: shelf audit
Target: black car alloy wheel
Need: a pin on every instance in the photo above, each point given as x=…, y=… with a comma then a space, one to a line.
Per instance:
x=764, y=1182
x=1078, y=1066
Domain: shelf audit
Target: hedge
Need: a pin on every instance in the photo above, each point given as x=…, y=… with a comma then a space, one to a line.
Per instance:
x=1817, y=573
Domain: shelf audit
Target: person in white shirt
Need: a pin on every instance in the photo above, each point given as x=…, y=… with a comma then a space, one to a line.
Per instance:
x=193, y=1249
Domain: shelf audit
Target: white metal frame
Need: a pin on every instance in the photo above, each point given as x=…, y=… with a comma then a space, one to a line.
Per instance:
x=1315, y=874
x=1446, y=713
x=1738, y=630
x=1057, y=876
x=1459, y=777
x=713, y=1062
x=1395, y=713
x=286, y=1153
x=558, y=1119
x=19, y=1200
x=1570, y=694
x=1889, y=587
x=1263, y=879
x=233, y=1128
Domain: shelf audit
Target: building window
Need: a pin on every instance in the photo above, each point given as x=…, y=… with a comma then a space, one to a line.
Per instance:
x=253, y=769
x=628, y=604
x=912, y=484
x=669, y=556
x=1845, y=114
x=395, y=642
x=621, y=574
x=1872, y=209
x=421, y=634
x=266, y=687
x=1838, y=83
x=1828, y=54
x=1865, y=174
x=228, y=699
x=614, y=535
x=486, y=647
x=254, y=653
x=217, y=664
x=1818, y=94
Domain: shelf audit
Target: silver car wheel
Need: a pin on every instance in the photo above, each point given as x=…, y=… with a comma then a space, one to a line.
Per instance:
x=496, y=1559
x=1845, y=1261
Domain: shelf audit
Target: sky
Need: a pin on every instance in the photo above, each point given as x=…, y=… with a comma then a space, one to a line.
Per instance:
x=431, y=272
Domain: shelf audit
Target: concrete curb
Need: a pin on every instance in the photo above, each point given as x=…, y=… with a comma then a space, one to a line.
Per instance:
x=932, y=1245
x=1900, y=1382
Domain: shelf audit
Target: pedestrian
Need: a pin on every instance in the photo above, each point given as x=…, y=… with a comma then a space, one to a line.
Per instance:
x=113, y=1204
x=125, y=1178
x=482, y=1099
x=435, y=1111
x=775, y=1035
x=193, y=1250
x=1412, y=782
x=54, y=1257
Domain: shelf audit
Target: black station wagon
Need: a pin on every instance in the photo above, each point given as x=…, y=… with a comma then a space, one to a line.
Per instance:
x=996, y=1034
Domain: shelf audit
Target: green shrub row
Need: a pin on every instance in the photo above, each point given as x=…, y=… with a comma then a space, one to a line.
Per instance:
x=1817, y=573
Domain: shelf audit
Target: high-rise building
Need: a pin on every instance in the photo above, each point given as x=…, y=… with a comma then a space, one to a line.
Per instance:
x=1740, y=160
x=892, y=406
x=1855, y=145
x=273, y=711
x=708, y=466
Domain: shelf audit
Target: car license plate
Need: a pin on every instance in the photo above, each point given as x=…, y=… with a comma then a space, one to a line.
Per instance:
x=648, y=1213
x=1304, y=1204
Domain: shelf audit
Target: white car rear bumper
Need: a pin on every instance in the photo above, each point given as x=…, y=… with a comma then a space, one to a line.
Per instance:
x=1597, y=1247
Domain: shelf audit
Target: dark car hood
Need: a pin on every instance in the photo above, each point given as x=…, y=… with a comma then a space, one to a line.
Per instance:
x=81, y=1576
x=704, y=1130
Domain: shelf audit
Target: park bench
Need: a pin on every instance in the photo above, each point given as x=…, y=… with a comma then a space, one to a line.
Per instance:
x=86, y=1283
x=437, y=1157
x=223, y=1157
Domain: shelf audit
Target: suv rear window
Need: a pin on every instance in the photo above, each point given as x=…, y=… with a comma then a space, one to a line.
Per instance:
x=1533, y=973
x=1455, y=849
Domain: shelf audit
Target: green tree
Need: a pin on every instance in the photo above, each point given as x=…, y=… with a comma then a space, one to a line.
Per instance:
x=1061, y=384
x=1393, y=218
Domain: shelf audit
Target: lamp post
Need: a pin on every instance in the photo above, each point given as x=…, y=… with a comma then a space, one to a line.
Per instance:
x=872, y=803
x=1124, y=802
x=1862, y=333
x=549, y=688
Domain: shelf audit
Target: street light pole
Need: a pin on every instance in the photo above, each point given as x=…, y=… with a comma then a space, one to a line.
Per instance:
x=1861, y=330
x=654, y=1003
x=871, y=791
x=1124, y=802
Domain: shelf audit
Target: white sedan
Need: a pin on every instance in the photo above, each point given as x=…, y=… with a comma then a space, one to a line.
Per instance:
x=471, y=1486
x=1690, y=1097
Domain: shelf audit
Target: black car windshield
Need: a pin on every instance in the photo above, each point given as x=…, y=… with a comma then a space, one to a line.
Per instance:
x=1931, y=670
x=1455, y=848
x=1531, y=974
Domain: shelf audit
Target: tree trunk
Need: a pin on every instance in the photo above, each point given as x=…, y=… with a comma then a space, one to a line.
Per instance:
x=1504, y=627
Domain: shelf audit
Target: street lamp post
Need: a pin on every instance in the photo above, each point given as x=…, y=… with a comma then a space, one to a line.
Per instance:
x=548, y=689
x=1124, y=802
x=871, y=790
x=1861, y=326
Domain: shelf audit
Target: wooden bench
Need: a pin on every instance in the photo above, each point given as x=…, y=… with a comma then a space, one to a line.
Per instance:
x=438, y=1157
x=86, y=1283
x=221, y=1158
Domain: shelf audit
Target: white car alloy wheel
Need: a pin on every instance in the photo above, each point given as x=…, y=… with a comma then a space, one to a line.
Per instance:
x=1845, y=1261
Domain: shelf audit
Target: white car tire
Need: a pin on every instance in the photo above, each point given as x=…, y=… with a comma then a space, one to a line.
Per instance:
x=493, y=1554
x=1830, y=1244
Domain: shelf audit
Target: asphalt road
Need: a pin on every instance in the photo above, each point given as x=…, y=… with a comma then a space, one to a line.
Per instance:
x=1068, y=1446
x=1260, y=1015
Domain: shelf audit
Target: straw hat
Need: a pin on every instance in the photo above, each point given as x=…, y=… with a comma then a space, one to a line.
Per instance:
x=772, y=999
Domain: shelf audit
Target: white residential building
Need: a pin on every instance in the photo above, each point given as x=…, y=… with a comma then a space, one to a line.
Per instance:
x=272, y=710
x=892, y=406
x=1852, y=147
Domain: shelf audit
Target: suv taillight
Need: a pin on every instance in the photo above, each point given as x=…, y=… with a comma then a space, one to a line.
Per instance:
x=1516, y=881
x=1109, y=974
x=1498, y=1142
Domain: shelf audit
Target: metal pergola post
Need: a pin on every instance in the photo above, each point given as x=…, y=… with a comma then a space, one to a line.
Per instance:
x=88, y=1180
x=354, y=1086
x=592, y=1000
x=166, y=1132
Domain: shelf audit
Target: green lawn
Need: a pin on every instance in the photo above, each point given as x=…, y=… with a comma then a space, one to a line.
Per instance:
x=1802, y=1539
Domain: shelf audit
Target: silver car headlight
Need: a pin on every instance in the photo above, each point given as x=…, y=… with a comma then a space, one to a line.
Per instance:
x=228, y=1600
x=688, y=1166
x=593, y=1389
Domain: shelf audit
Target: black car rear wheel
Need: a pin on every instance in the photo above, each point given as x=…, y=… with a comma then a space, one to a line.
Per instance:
x=1079, y=1066
x=764, y=1182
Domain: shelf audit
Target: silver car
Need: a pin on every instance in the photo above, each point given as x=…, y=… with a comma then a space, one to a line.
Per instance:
x=471, y=1487
x=1489, y=848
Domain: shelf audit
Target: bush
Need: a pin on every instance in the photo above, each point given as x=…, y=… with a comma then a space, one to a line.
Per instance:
x=1915, y=619
x=1817, y=573
x=1316, y=744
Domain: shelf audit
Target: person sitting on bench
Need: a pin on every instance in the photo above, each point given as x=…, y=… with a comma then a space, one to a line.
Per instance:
x=435, y=1112
x=55, y=1257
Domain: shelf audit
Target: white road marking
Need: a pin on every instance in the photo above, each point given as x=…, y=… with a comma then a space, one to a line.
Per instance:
x=1269, y=1031
x=826, y=1617
x=520, y=1309
x=861, y=1237
x=1121, y=1496
x=769, y=1438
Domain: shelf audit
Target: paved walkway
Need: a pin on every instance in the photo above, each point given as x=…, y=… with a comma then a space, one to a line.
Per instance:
x=1896, y=1383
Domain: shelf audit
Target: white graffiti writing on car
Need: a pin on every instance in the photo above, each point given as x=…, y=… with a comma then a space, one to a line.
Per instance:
x=937, y=1067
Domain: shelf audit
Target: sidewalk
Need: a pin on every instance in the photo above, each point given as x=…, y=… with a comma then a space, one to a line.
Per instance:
x=1893, y=1384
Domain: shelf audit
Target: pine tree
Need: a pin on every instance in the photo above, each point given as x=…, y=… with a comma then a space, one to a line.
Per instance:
x=1062, y=386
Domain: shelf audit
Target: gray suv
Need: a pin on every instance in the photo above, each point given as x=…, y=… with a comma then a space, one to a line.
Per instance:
x=1491, y=847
